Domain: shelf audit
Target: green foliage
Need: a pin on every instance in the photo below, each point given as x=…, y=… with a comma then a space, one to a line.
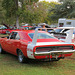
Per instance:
x=29, y=12
x=34, y=14
x=30, y=2
x=10, y=7
x=50, y=17
x=2, y=12
x=65, y=10
x=32, y=11
x=13, y=10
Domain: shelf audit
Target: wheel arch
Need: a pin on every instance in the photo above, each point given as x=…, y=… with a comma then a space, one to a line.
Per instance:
x=17, y=50
x=23, y=51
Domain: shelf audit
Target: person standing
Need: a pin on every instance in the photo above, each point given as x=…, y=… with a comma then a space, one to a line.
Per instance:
x=43, y=26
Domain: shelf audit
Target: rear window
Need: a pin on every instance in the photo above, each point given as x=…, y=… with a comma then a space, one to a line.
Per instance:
x=58, y=30
x=41, y=35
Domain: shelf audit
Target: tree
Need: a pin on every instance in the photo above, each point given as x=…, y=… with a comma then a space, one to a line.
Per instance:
x=28, y=11
x=13, y=10
x=2, y=12
x=35, y=13
x=11, y=7
x=38, y=14
x=65, y=10
x=51, y=13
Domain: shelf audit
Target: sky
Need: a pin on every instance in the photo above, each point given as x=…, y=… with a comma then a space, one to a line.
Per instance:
x=49, y=0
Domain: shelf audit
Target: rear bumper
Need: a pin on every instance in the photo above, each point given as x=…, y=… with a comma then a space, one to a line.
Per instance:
x=54, y=52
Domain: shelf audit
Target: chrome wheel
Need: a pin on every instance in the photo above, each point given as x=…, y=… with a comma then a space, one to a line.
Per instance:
x=21, y=57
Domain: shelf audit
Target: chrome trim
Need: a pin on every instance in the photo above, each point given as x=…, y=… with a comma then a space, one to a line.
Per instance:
x=54, y=52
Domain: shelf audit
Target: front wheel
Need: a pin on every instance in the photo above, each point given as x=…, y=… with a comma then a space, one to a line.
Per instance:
x=21, y=57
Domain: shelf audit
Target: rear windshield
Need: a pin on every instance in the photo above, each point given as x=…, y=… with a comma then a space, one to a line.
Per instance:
x=41, y=35
x=58, y=30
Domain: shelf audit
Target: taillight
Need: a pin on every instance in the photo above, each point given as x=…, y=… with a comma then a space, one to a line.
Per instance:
x=65, y=48
x=53, y=48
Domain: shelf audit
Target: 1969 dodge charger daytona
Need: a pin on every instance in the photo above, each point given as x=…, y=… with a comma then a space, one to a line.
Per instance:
x=30, y=44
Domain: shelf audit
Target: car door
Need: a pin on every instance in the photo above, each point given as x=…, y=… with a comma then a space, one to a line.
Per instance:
x=7, y=43
x=14, y=42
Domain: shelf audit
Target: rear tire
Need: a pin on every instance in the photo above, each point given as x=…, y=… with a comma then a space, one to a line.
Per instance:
x=1, y=50
x=21, y=57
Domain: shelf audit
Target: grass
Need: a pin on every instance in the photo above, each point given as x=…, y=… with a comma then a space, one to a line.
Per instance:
x=9, y=65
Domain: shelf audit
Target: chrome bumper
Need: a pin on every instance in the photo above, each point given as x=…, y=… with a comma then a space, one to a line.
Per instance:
x=54, y=52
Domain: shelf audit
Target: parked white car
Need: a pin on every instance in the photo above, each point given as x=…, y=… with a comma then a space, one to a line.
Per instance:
x=62, y=32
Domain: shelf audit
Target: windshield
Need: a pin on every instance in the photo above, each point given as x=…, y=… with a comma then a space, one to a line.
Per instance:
x=41, y=36
x=58, y=30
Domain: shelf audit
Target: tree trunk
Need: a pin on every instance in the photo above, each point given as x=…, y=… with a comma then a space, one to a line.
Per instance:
x=17, y=22
x=17, y=17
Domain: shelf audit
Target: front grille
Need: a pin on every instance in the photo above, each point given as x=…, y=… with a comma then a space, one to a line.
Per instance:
x=53, y=48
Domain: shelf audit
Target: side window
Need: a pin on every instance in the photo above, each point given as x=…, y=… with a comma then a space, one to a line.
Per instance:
x=13, y=35
x=17, y=37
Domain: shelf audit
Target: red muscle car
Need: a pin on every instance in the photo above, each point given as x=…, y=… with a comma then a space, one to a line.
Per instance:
x=35, y=45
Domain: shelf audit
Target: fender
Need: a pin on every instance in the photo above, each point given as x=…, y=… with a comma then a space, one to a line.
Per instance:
x=30, y=47
x=30, y=52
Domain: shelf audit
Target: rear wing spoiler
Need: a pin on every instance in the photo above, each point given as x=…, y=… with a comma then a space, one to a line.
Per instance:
x=68, y=37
